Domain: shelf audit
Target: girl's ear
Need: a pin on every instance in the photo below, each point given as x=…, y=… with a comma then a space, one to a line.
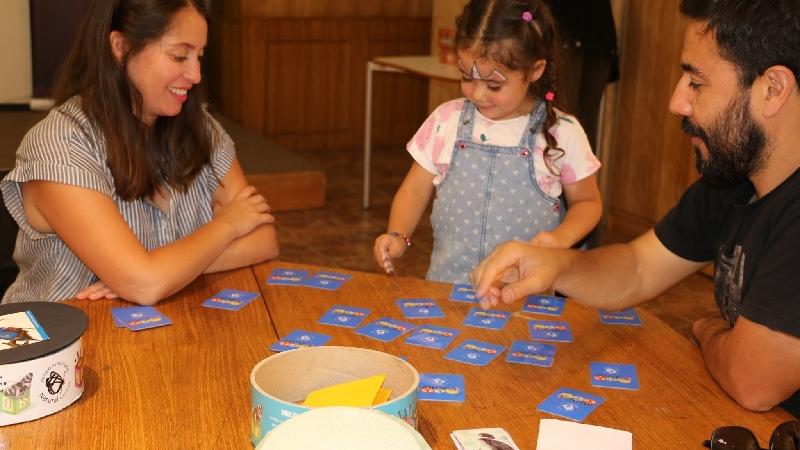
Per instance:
x=118, y=45
x=537, y=70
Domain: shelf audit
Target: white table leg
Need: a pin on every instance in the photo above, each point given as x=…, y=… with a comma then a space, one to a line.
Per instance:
x=368, y=134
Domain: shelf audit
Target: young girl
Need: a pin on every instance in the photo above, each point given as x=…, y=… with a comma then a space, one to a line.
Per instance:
x=128, y=187
x=500, y=158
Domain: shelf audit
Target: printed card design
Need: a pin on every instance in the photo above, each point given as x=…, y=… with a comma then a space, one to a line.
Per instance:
x=490, y=318
x=344, y=316
x=230, y=299
x=544, y=304
x=625, y=317
x=441, y=387
x=475, y=352
x=483, y=439
x=20, y=328
x=287, y=277
x=531, y=352
x=299, y=339
x=618, y=376
x=419, y=308
x=386, y=329
x=571, y=404
x=140, y=317
x=463, y=293
x=432, y=336
x=545, y=330
x=330, y=281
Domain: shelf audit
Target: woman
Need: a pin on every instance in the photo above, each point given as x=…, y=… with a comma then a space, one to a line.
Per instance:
x=128, y=187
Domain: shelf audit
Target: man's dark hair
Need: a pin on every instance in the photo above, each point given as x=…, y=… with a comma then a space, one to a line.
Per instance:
x=752, y=34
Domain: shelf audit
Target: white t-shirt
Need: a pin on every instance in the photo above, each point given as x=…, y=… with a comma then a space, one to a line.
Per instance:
x=432, y=145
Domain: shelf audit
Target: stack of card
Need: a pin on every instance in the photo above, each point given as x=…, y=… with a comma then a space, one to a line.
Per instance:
x=139, y=317
x=483, y=438
x=329, y=281
x=230, y=299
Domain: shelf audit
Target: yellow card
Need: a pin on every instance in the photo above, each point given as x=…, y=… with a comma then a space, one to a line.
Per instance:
x=353, y=393
x=382, y=395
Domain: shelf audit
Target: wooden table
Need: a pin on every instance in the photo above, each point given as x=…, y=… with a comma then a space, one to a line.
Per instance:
x=187, y=386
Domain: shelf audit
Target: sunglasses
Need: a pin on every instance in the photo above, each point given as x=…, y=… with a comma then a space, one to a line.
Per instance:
x=786, y=436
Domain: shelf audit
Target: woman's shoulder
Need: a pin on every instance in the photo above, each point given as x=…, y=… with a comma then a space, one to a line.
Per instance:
x=64, y=126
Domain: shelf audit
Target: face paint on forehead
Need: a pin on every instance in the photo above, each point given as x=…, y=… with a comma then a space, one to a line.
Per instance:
x=495, y=76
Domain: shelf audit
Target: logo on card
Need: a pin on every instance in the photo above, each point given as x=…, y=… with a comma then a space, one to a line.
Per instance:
x=392, y=326
x=418, y=304
x=489, y=351
x=529, y=356
x=576, y=399
x=436, y=332
x=538, y=326
x=226, y=301
x=134, y=323
x=346, y=312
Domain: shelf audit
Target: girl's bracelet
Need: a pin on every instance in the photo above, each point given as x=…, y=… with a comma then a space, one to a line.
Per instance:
x=402, y=236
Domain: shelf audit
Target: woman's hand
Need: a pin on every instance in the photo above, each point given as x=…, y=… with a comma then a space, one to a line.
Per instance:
x=245, y=212
x=96, y=291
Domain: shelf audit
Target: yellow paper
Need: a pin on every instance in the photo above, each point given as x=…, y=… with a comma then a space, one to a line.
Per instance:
x=353, y=393
x=382, y=395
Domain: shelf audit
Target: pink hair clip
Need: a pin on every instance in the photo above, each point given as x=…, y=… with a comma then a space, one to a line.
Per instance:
x=527, y=16
x=550, y=96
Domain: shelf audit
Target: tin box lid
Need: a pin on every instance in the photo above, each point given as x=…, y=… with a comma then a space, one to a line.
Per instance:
x=64, y=324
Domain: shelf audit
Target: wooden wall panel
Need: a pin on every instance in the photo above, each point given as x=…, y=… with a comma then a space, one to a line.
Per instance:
x=335, y=9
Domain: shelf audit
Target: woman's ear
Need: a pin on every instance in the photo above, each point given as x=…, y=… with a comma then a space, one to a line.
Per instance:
x=118, y=45
x=537, y=70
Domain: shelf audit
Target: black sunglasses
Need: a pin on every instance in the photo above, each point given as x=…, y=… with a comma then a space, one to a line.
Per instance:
x=785, y=437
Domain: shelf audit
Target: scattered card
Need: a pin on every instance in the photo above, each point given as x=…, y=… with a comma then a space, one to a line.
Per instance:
x=287, y=277
x=618, y=376
x=432, y=336
x=230, y=299
x=329, y=281
x=545, y=330
x=483, y=438
x=235, y=294
x=20, y=328
x=570, y=404
x=344, y=316
x=140, y=317
x=419, y=308
x=531, y=352
x=299, y=339
x=544, y=304
x=463, y=293
x=491, y=318
x=441, y=387
x=475, y=352
x=386, y=329
x=624, y=317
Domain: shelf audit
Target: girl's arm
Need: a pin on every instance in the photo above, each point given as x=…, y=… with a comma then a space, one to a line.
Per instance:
x=90, y=224
x=408, y=205
x=583, y=214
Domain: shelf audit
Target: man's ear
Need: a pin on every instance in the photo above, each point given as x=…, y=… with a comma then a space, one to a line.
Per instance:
x=118, y=45
x=774, y=88
x=537, y=70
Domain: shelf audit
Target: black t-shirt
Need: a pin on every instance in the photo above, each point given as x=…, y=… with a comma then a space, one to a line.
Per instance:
x=755, y=246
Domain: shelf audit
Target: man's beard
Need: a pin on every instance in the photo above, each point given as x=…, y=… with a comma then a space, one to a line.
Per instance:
x=737, y=145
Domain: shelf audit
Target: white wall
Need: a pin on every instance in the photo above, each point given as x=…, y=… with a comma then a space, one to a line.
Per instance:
x=16, y=75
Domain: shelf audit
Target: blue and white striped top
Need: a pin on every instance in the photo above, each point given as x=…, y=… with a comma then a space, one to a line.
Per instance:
x=65, y=148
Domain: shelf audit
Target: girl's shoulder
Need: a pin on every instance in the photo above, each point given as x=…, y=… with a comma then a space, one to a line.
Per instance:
x=568, y=126
x=449, y=110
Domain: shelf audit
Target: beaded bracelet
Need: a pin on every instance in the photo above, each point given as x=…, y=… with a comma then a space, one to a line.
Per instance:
x=402, y=236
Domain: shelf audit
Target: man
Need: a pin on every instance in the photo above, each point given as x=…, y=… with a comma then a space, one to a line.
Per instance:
x=740, y=103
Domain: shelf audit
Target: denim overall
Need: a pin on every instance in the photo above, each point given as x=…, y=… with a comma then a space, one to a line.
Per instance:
x=489, y=196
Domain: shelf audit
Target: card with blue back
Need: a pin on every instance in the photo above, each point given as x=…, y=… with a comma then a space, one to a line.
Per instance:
x=300, y=339
x=618, y=376
x=624, y=317
x=490, y=318
x=570, y=403
x=545, y=330
x=419, y=308
x=432, y=336
x=531, y=352
x=544, y=304
x=329, y=281
x=344, y=316
x=441, y=387
x=230, y=299
x=463, y=292
x=287, y=277
x=475, y=352
x=140, y=317
x=385, y=329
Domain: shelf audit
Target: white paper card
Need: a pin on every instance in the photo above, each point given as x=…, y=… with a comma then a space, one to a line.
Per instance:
x=563, y=435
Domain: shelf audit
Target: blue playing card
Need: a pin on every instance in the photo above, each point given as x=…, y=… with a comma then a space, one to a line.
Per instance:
x=230, y=299
x=287, y=277
x=386, y=329
x=545, y=330
x=490, y=318
x=625, y=317
x=441, y=387
x=432, y=336
x=475, y=352
x=571, y=404
x=531, y=352
x=140, y=317
x=299, y=339
x=419, y=308
x=463, y=293
x=235, y=294
x=344, y=316
x=619, y=376
x=544, y=304
x=330, y=281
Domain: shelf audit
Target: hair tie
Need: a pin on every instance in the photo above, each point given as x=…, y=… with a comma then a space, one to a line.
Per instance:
x=550, y=96
x=527, y=16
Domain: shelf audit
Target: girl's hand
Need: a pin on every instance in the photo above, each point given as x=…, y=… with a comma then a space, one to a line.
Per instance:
x=386, y=248
x=245, y=212
x=548, y=239
x=96, y=291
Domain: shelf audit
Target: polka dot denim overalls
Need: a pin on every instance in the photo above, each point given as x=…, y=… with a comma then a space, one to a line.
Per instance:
x=489, y=196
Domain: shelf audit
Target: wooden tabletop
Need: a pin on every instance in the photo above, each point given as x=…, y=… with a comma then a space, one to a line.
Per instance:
x=187, y=386
x=426, y=66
